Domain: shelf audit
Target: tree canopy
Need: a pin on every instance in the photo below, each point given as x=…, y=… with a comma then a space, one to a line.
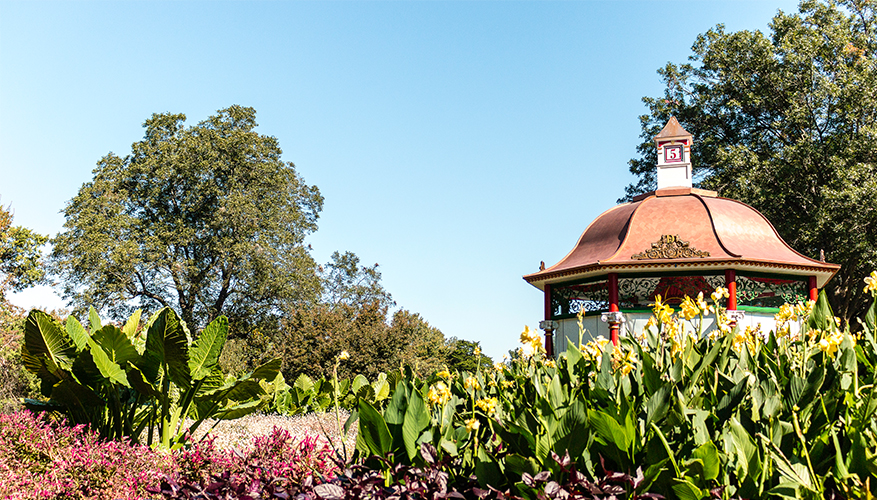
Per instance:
x=786, y=122
x=206, y=219
x=20, y=257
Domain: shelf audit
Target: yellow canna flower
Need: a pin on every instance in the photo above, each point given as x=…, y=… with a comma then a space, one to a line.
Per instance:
x=550, y=363
x=471, y=383
x=488, y=406
x=594, y=348
x=720, y=293
x=478, y=351
x=445, y=374
x=689, y=308
x=472, y=425
x=438, y=394
x=871, y=283
x=701, y=303
x=344, y=355
x=624, y=361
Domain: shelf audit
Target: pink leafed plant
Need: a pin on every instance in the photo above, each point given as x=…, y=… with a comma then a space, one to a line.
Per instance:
x=42, y=458
x=276, y=455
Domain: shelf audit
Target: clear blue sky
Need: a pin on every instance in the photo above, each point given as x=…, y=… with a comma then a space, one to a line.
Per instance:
x=456, y=143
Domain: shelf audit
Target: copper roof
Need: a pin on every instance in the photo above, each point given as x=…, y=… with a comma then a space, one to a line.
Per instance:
x=719, y=232
x=672, y=129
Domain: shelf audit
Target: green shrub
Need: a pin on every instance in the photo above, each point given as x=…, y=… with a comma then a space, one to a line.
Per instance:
x=16, y=383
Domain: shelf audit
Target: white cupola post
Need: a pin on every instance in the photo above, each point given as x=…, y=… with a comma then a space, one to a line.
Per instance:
x=674, y=156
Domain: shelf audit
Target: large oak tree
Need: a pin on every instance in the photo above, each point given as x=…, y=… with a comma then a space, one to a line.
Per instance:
x=786, y=122
x=206, y=219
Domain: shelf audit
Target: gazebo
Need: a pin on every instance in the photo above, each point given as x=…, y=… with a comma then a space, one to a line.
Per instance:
x=673, y=242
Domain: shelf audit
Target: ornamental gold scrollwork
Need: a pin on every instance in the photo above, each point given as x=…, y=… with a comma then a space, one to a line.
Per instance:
x=669, y=247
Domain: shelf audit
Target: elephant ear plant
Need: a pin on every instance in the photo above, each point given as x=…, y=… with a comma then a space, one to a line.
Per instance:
x=124, y=381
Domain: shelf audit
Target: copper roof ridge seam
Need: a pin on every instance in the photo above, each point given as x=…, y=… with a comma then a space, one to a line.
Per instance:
x=777, y=234
x=713, y=226
x=627, y=231
x=616, y=207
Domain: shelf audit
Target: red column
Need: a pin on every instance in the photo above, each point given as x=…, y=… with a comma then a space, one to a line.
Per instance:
x=549, y=337
x=731, y=285
x=814, y=292
x=613, y=306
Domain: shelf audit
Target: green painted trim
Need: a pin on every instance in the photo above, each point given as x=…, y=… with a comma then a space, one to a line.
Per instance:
x=768, y=310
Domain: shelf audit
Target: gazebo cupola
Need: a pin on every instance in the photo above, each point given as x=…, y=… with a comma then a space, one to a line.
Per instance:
x=673, y=242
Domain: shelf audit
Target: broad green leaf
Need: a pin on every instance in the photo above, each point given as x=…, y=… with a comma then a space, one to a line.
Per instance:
x=138, y=382
x=304, y=383
x=116, y=344
x=657, y=406
x=38, y=366
x=795, y=473
x=687, y=491
x=205, y=351
x=730, y=402
x=609, y=430
x=214, y=382
x=107, y=367
x=267, y=371
x=416, y=420
x=166, y=345
x=358, y=382
x=382, y=389
x=556, y=396
x=822, y=317
x=44, y=338
x=366, y=392
x=786, y=489
x=709, y=455
x=77, y=332
x=242, y=409
x=373, y=430
x=93, y=320
x=131, y=325
x=487, y=469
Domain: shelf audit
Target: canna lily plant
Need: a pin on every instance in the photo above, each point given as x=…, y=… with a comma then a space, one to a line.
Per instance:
x=126, y=382
x=735, y=412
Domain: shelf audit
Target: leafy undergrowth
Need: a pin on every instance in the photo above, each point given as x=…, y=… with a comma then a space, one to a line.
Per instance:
x=383, y=480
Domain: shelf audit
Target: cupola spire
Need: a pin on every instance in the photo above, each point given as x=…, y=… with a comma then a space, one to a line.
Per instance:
x=674, y=155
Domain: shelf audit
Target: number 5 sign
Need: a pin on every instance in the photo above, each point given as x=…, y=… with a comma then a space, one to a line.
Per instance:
x=673, y=153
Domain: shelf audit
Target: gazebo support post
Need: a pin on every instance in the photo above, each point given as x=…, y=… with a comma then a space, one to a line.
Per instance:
x=731, y=285
x=613, y=307
x=814, y=292
x=734, y=316
x=548, y=325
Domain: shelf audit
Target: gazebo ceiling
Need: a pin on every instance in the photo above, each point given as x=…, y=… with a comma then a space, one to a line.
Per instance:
x=681, y=229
